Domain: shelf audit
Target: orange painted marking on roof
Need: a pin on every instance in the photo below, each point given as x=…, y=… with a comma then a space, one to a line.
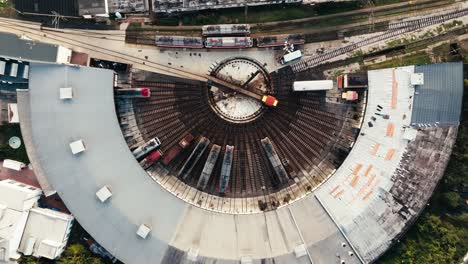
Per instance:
x=338, y=194
x=357, y=169
x=355, y=181
x=334, y=189
x=390, y=129
x=371, y=179
x=367, y=195
x=394, y=90
x=390, y=154
x=375, y=149
x=369, y=168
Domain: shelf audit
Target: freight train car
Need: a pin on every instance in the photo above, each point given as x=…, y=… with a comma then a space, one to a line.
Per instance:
x=151, y=159
x=146, y=148
x=179, y=42
x=133, y=93
x=226, y=170
x=174, y=151
x=281, y=174
x=193, y=158
x=279, y=40
x=226, y=30
x=228, y=43
x=209, y=166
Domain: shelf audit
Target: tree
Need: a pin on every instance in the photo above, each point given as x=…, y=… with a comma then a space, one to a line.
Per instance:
x=452, y=199
x=78, y=254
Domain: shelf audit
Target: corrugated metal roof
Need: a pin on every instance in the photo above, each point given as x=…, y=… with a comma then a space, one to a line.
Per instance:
x=439, y=99
x=63, y=7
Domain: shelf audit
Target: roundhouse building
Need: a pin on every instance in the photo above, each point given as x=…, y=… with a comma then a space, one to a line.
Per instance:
x=350, y=211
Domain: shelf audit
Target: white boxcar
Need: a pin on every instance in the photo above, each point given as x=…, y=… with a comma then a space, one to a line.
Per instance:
x=307, y=86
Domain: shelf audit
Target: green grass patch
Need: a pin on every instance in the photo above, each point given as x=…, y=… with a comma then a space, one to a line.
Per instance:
x=413, y=59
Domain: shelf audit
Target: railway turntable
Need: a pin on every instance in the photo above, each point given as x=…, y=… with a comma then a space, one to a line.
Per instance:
x=281, y=144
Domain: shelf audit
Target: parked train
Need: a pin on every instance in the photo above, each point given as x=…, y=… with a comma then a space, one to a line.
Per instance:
x=316, y=85
x=193, y=158
x=226, y=42
x=209, y=166
x=179, y=42
x=151, y=159
x=146, y=148
x=133, y=93
x=174, y=151
x=226, y=30
x=226, y=170
x=280, y=171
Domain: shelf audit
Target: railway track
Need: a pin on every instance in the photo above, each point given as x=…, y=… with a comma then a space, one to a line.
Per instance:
x=397, y=29
x=301, y=130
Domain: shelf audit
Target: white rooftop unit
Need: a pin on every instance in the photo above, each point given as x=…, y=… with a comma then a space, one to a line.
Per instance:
x=104, y=193
x=13, y=164
x=14, y=70
x=66, y=93
x=300, y=251
x=417, y=79
x=26, y=72
x=2, y=67
x=143, y=231
x=77, y=147
x=306, y=86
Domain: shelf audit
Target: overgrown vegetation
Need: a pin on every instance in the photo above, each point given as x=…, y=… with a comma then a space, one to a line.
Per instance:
x=259, y=14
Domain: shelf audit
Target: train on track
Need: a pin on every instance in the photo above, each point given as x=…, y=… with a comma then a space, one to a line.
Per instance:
x=209, y=166
x=226, y=170
x=146, y=148
x=194, y=158
x=226, y=42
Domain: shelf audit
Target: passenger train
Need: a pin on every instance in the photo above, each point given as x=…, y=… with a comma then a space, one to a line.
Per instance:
x=229, y=36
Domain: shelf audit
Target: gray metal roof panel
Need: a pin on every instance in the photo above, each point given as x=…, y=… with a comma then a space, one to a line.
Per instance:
x=439, y=99
x=91, y=116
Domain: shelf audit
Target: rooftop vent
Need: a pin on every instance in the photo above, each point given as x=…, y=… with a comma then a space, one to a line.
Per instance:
x=417, y=79
x=77, y=146
x=300, y=251
x=143, y=231
x=66, y=93
x=104, y=193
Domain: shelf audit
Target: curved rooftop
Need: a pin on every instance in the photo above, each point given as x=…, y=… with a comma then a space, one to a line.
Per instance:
x=355, y=215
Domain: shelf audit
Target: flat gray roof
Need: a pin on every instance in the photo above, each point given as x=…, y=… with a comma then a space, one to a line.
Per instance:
x=440, y=98
x=14, y=47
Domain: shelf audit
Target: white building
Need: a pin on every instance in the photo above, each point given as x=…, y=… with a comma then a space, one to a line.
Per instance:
x=26, y=228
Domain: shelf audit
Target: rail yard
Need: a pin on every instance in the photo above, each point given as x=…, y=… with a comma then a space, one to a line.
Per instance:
x=302, y=141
